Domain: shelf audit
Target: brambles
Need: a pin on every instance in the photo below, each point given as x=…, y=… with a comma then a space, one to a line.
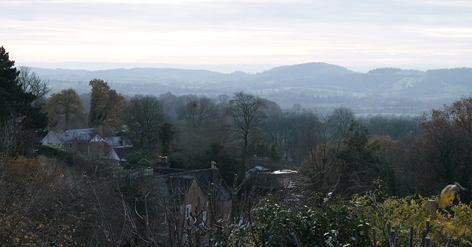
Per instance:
x=38, y=204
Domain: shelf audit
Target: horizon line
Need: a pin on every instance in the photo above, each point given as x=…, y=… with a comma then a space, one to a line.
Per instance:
x=221, y=68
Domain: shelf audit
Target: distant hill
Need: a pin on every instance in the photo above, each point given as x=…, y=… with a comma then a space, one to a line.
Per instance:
x=315, y=85
x=130, y=75
x=307, y=70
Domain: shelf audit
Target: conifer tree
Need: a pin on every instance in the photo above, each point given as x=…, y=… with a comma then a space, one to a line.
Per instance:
x=15, y=103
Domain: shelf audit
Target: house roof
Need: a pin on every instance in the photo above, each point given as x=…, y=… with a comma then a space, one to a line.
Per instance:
x=206, y=178
x=177, y=182
x=91, y=135
x=77, y=135
x=113, y=156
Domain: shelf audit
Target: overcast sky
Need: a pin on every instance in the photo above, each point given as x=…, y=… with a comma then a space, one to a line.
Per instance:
x=343, y=32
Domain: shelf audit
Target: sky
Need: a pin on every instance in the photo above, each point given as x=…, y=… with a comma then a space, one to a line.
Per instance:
x=354, y=34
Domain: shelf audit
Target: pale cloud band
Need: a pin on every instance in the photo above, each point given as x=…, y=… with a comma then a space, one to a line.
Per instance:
x=277, y=32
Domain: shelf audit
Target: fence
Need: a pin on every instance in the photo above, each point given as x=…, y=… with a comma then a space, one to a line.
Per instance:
x=393, y=240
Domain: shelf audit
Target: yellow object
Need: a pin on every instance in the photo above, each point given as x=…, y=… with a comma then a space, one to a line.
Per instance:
x=447, y=194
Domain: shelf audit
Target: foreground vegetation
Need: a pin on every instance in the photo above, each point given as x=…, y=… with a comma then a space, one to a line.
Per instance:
x=44, y=203
x=331, y=221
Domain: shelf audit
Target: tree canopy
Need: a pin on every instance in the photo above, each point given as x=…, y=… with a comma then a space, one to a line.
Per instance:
x=66, y=110
x=105, y=105
x=446, y=143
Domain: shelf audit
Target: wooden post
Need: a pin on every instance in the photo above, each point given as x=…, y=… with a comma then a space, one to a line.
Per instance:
x=322, y=239
x=392, y=239
x=424, y=233
x=374, y=240
x=428, y=241
x=411, y=236
x=431, y=207
x=353, y=239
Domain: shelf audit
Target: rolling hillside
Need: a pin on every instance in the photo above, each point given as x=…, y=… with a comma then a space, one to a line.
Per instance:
x=315, y=85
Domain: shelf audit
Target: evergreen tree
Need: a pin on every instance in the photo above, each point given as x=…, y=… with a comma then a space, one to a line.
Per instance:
x=358, y=169
x=15, y=103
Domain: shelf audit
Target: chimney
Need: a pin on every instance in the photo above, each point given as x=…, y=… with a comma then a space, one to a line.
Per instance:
x=213, y=165
x=162, y=162
x=215, y=178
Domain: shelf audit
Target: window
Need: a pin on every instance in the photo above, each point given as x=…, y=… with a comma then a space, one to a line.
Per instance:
x=165, y=219
x=188, y=210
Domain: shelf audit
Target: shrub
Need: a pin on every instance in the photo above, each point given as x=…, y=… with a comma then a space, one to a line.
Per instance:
x=144, y=162
x=333, y=221
x=403, y=213
x=37, y=204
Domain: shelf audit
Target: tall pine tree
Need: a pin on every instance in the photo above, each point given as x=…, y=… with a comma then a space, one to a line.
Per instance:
x=15, y=103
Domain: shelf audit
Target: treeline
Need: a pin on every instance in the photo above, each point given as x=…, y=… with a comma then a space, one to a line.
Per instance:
x=192, y=130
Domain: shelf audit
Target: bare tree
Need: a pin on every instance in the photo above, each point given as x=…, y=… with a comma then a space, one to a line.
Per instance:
x=340, y=121
x=320, y=164
x=143, y=117
x=222, y=99
x=246, y=111
x=33, y=84
x=444, y=147
x=198, y=113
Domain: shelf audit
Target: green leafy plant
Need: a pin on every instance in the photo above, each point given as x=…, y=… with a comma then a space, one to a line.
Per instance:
x=401, y=214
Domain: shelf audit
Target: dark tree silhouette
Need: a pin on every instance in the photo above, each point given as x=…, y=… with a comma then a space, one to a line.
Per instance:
x=17, y=112
x=15, y=102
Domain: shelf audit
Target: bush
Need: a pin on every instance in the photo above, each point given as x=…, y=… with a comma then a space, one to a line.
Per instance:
x=326, y=221
x=403, y=213
x=52, y=151
x=133, y=158
x=331, y=221
x=144, y=162
x=38, y=206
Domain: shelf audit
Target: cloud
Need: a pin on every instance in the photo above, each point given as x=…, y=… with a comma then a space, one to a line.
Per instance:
x=254, y=31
